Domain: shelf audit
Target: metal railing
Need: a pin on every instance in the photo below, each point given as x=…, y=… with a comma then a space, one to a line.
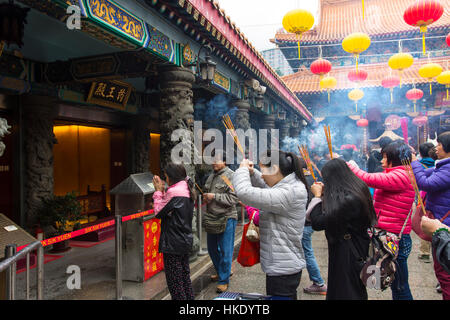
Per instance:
x=9, y=264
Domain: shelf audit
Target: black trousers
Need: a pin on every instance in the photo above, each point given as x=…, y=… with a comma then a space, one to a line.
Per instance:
x=178, y=276
x=283, y=286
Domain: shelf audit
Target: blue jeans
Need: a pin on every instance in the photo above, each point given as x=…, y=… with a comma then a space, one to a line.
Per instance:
x=311, y=263
x=400, y=286
x=220, y=249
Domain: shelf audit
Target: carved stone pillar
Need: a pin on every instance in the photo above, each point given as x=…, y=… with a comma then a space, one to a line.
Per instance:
x=242, y=116
x=295, y=132
x=284, y=129
x=141, y=144
x=177, y=112
x=269, y=124
x=39, y=139
x=4, y=127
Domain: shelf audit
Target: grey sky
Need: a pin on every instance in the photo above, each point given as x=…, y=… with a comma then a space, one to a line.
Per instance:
x=260, y=19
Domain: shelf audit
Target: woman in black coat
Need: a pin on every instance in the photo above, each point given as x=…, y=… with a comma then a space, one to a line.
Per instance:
x=343, y=208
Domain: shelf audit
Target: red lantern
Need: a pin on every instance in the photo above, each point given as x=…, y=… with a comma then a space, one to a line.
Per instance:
x=357, y=75
x=423, y=13
x=448, y=40
x=420, y=121
x=414, y=95
x=390, y=83
x=321, y=67
x=362, y=123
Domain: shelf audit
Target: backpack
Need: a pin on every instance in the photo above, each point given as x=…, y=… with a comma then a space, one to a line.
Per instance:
x=379, y=267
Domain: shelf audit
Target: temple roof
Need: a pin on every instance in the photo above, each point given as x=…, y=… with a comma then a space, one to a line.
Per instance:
x=339, y=18
x=306, y=82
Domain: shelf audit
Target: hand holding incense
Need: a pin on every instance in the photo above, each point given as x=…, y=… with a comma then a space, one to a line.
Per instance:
x=407, y=164
x=228, y=182
x=305, y=155
x=230, y=129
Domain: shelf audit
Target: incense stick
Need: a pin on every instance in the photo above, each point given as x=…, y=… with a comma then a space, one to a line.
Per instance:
x=228, y=182
x=328, y=136
x=407, y=164
x=226, y=120
x=198, y=187
x=304, y=153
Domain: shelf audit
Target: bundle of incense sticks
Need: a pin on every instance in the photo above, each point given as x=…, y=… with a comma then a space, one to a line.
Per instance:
x=228, y=182
x=328, y=136
x=198, y=187
x=407, y=164
x=230, y=128
x=305, y=154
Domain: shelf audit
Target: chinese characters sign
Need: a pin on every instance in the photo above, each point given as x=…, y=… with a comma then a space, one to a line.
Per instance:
x=111, y=14
x=113, y=94
x=153, y=260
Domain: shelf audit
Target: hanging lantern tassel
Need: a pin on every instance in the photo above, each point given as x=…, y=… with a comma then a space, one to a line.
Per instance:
x=356, y=107
x=418, y=138
x=414, y=106
x=423, y=30
x=299, y=37
x=400, y=76
x=447, y=86
x=328, y=95
x=392, y=95
x=357, y=61
x=363, y=9
x=431, y=89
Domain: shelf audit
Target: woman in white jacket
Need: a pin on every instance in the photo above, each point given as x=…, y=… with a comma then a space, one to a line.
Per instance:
x=279, y=191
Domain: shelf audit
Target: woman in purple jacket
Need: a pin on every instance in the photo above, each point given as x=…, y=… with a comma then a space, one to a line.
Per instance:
x=436, y=182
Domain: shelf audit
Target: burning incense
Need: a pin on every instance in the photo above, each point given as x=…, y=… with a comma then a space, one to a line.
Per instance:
x=328, y=136
x=230, y=129
x=228, y=182
x=407, y=164
x=305, y=154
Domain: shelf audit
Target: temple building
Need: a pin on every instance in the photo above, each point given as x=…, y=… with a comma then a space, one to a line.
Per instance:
x=90, y=104
x=383, y=22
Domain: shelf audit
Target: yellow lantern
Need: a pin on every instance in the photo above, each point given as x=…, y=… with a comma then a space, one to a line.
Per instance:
x=356, y=43
x=444, y=78
x=328, y=83
x=429, y=71
x=298, y=21
x=356, y=95
x=400, y=62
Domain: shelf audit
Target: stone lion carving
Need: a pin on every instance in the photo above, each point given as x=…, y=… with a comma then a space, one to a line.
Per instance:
x=3, y=132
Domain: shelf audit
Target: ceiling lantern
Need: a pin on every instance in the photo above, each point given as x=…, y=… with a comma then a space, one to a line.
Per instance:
x=328, y=83
x=357, y=75
x=444, y=78
x=298, y=21
x=430, y=71
x=321, y=67
x=390, y=83
x=448, y=39
x=400, y=61
x=421, y=14
x=420, y=121
x=414, y=95
x=355, y=44
x=362, y=123
x=356, y=95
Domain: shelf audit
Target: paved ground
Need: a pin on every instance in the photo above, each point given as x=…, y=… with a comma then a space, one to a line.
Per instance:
x=252, y=280
x=98, y=276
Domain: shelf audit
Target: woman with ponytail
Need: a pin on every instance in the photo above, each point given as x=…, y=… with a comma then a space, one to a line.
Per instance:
x=279, y=191
x=175, y=208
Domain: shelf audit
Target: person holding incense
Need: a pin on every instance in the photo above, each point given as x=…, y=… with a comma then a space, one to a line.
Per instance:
x=393, y=200
x=280, y=193
x=175, y=208
x=342, y=206
x=220, y=220
x=436, y=182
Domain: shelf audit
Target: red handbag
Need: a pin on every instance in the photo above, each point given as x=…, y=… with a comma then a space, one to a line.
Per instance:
x=248, y=254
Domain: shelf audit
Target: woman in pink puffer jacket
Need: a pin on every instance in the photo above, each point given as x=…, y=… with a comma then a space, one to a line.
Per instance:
x=393, y=200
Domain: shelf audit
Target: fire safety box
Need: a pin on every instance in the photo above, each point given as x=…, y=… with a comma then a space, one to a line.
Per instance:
x=140, y=237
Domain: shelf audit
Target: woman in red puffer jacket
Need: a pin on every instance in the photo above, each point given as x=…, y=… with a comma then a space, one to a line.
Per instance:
x=393, y=200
